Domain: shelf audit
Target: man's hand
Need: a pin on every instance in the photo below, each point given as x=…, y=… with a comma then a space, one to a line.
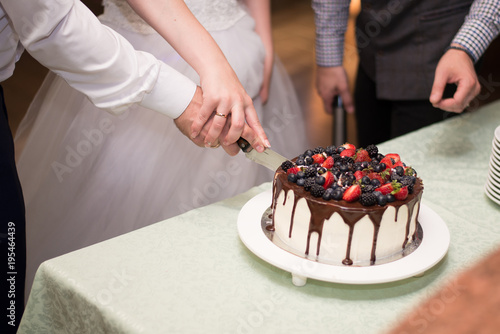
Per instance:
x=330, y=82
x=186, y=119
x=455, y=67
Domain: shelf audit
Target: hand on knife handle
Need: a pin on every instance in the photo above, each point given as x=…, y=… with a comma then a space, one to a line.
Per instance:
x=244, y=145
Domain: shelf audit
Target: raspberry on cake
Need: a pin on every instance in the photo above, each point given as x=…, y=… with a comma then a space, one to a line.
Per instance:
x=346, y=205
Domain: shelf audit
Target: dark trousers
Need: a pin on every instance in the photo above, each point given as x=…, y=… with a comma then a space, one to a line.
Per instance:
x=380, y=120
x=12, y=232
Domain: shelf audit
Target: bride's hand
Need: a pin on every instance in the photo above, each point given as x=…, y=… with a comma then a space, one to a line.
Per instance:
x=224, y=96
x=185, y=121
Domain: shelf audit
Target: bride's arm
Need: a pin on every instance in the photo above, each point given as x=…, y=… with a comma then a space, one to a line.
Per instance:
x=222, y=91
x=260, y=10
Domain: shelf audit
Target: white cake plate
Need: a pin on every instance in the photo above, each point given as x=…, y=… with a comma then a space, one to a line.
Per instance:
x=434, y=246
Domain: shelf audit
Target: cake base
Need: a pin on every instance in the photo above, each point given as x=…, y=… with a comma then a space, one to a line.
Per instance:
x=433, y=248
x=266, y=223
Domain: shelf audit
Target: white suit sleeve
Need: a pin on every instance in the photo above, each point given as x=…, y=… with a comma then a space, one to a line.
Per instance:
x=66, y=37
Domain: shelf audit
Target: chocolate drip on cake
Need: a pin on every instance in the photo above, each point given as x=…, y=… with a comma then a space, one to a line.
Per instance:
x=347, y=261
x=296, y=199
x=374, y=242
x=408, y=223
x=351, y=213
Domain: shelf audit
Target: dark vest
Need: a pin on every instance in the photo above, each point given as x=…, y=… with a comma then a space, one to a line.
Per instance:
x=401, y=41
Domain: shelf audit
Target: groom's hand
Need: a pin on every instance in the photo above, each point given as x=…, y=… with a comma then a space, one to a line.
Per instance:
x=186, y=119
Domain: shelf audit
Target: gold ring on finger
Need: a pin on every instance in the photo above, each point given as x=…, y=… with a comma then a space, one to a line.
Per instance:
x=221, y=115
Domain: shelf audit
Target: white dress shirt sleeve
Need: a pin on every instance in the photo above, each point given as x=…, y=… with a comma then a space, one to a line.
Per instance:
x=66, y=37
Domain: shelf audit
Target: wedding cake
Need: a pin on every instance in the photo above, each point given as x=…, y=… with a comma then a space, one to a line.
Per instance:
x=346, y=205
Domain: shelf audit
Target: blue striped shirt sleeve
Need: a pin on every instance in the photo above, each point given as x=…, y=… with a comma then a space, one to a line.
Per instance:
x=480, y=28
x=331, y=24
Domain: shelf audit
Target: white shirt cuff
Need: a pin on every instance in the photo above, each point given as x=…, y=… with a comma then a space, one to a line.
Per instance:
x=171, y=94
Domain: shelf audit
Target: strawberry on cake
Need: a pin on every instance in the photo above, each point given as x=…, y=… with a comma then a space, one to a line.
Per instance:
x=346, y=205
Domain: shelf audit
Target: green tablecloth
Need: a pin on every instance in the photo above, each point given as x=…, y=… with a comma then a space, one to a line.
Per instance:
x=192, y=274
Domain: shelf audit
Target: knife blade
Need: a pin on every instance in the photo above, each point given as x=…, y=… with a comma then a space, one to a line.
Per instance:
x=269, y=158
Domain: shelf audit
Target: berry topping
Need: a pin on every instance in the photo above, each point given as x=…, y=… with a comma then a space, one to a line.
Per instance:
x=359, y=174
x=395, y=176
x=388, y=162
x=327, y=195
x=318, y=158
x=310, y=172
x=328, y=163
x=372, y=150
x=393, y=156
x=401, y=194
x=329, y=179
x=368, y=199
x=376, y=176
x=308, y=183
x=381, y=199
x=352, y=193
x=337, y=194
x=374, y=182
x=293, y=170
x=379, y=167
x=385, y=188
x=318, y=150
x=344, y=172
x=317, y=190
x=367, y=188
x=308, y=160
x=362, y=155
x=349, y=146
x=348, y=153
x=331, y=150
x=320, y=180
x=286, y=165
x=365, y=180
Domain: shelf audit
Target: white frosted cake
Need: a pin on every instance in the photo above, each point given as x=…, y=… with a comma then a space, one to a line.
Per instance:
x=346, y=206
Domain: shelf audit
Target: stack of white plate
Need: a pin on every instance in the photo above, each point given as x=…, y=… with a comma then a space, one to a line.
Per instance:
x=492, y=187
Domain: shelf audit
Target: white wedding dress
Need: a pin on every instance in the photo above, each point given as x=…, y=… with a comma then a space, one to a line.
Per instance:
x=88, y=175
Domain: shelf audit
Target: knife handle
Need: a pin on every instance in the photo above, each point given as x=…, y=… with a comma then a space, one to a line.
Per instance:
x=339, y=129
x=244, y=145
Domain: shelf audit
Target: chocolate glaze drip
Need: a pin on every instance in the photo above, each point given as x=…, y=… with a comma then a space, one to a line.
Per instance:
x=374, y=242
x=351, y=213
x=408, y=223
x=347, y=261
x=296, y=199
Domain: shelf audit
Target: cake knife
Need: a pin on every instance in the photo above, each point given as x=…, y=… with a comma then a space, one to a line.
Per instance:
x=268, y=158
